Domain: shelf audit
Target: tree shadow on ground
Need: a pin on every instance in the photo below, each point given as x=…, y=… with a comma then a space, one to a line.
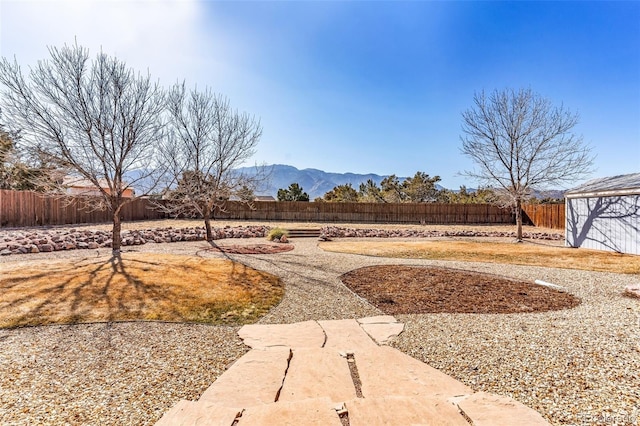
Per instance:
x=130, y=288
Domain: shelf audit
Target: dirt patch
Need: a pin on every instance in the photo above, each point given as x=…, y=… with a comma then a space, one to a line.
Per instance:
x=253, y=248
x=420, y=290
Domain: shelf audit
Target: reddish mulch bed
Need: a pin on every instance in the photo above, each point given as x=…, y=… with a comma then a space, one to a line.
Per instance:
x=421, y=290
x=253, y=248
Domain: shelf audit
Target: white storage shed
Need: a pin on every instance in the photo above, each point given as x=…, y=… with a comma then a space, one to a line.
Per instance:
x=604, y=214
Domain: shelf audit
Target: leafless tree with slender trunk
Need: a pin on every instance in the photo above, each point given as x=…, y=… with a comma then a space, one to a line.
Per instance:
x=209, y=141
x=520, y=143
x=96, y=118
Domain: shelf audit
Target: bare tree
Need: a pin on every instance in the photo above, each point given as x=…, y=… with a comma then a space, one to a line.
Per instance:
x=520, y=142
x=98, y=119
x=208, y=142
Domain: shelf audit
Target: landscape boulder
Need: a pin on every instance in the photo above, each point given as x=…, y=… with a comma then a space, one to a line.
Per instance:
x=632, y=291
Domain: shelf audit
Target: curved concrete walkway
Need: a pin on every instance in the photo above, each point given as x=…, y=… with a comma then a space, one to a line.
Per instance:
x=339, y=372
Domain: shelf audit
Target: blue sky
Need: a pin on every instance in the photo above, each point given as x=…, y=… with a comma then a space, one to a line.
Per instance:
x=367, y=87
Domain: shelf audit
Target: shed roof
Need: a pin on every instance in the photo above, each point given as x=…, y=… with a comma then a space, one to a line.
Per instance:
x=609, y=186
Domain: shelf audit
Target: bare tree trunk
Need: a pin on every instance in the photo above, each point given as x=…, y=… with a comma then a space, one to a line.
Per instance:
x=518, y=220
x=116, y=240
x=207, y=222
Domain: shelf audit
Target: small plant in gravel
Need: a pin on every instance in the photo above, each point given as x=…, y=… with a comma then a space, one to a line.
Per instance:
x=277, y=233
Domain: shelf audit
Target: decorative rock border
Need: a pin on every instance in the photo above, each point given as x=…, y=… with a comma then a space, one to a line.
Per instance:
x=36, y=241
x=338, y=232
x=253, y=248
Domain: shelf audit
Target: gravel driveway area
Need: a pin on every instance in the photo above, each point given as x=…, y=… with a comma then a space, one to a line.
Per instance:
x=578, y=366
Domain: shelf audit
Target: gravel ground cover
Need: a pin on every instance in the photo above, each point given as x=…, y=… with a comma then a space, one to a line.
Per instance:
x=108, y=374
x=579, y=366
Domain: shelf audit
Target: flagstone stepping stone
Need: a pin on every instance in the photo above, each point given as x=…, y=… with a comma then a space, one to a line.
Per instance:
x=315, y=373
x=253, y=379
x=346, y=336
x=394, y=410
x=306, y=334
x=312, y=412
x=487, y=409
x=382, y=328
x=387, y=371
x=188, y=413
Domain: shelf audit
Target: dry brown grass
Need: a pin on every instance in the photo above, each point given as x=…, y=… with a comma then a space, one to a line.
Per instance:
x=134, y=287
x=493, y=252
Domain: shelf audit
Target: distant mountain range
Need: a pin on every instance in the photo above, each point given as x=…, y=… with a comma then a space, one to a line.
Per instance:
x=314, y=182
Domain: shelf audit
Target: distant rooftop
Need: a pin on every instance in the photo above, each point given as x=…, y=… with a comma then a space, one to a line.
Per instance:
x=264, y=198
x=614, y=185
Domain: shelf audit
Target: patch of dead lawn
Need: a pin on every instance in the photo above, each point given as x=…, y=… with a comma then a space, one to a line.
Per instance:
x=493, y=252
x=134, y=286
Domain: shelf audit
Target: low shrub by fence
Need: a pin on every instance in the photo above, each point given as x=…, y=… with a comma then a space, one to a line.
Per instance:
x=25, y=208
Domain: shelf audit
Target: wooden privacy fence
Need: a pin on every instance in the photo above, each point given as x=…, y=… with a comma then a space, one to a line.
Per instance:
x=368, y=212
x=545, y=215
x=25, y=208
